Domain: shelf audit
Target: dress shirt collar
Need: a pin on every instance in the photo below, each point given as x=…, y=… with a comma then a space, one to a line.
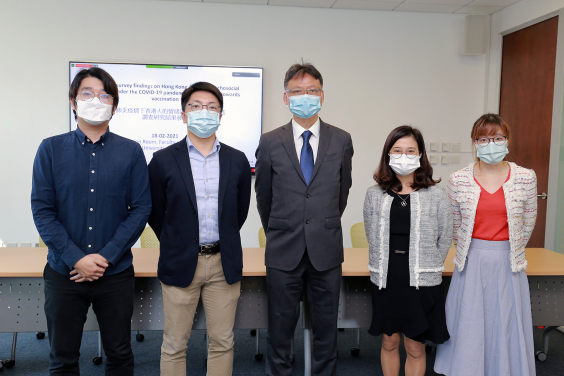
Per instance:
x=82, y=137
x=298, y=129
x=216, y=145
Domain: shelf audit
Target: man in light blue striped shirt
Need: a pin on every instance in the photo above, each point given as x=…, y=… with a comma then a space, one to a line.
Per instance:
x=201, y=191
x=205, y=172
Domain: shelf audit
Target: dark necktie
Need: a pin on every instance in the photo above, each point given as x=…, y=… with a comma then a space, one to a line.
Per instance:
x=306, y=157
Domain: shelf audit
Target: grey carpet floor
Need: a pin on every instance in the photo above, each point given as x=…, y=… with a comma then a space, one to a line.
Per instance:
x=32, y=354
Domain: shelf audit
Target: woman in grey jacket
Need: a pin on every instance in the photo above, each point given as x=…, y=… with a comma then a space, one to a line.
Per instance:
x=408, y=222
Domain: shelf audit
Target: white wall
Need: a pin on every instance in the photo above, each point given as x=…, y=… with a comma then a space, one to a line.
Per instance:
x=381, y=70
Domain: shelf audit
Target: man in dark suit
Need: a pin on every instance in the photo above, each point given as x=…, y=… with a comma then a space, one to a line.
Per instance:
x=303, y=177
x=201, y=192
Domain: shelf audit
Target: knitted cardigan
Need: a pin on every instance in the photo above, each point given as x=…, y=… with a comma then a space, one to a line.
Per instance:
x=429, y=240
x=520, y=200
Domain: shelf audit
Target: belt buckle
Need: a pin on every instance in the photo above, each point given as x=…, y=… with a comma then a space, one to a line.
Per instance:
x=207, y=249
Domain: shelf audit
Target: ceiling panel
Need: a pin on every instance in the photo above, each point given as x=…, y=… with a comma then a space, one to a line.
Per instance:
x=365, y=4
x=429, y=8
x=495, y=3
x=440, y=2
x=477, y=9
x=303, y=3
x=255, y=2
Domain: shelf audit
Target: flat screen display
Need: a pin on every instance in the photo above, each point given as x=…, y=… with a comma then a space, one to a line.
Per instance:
x=149, y=109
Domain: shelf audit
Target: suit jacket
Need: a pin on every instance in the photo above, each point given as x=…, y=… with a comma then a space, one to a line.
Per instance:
x=296, y=216
x=174, y=215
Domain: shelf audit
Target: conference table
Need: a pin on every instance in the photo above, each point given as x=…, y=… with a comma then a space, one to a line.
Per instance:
x=22, y=298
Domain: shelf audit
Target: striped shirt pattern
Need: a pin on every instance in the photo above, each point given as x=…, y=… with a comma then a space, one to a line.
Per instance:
x=205, y=172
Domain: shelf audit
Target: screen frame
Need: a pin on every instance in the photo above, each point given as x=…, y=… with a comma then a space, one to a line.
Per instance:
x=180, y=65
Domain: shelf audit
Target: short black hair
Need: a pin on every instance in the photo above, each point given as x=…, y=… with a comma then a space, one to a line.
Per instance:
x=300, y=70
x=110, y=86
x=200, y=86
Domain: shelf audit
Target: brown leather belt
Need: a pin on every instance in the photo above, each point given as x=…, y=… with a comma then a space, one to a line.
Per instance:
x=209, y=249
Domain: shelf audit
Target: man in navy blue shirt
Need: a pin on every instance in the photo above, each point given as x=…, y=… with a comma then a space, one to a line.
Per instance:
x=90, y=202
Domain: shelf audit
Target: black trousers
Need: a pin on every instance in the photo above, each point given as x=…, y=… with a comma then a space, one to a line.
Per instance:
x=285, y=288
x=66, y=306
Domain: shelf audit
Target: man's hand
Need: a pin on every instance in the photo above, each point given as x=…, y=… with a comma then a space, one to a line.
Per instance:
x=89, y=268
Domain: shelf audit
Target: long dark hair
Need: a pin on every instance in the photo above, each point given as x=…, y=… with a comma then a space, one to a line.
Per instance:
x=386, y=177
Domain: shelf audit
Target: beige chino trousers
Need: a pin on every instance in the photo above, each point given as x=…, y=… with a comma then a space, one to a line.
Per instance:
x=220, y=303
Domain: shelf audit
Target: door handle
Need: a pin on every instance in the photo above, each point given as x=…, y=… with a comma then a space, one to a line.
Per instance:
x=543, y=195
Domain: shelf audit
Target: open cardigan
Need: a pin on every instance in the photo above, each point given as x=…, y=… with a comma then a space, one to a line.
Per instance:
x=429, y=240
x=520, y=200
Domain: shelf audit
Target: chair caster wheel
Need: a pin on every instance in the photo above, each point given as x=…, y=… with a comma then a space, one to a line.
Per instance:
x=9, y=363
x=541, y=356
x=139, y=337
x=355, y=351
x=341, y=329
x=253, y=332
x=258, y=357
x=40, y=335
x=97, y=360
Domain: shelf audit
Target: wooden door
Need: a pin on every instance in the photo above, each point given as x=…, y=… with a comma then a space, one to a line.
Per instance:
x=527, y=88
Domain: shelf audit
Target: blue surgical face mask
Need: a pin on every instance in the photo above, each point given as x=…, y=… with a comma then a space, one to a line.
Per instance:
x=204, y=123
x=305, y=106
x=491, y=153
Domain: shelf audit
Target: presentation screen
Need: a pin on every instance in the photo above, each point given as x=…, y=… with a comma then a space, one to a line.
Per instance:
x=149, y=109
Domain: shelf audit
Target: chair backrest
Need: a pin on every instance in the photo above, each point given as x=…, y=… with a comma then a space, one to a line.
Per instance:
x=262, y=238
x=41, y=243
x=149, y=239
x=358, y=236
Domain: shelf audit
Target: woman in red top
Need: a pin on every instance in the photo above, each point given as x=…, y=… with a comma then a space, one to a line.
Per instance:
x=488, y=306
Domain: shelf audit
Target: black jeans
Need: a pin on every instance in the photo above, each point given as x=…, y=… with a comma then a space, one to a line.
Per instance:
x=66, y=306
x=285, y=288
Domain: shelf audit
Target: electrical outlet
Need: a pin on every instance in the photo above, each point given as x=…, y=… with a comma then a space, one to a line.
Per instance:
x=455, y=159
x=455, y=147
x=434, y=159
x=434, y=146
x=446, y=146
x=444, y=159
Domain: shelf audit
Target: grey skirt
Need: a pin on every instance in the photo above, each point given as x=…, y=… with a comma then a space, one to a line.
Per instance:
x=488, y=312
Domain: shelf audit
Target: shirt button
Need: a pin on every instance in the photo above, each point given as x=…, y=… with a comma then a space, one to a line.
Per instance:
x=102, y=144
x=89, y=246
x=195, y=240
x=88, y=139
x=209, y=216
x=83, y=143
x=91, y=209
x=209, y=233
x=91, y=190
x=207, y=197
x=307, y=222
x=307, y=196
x=92, y=171
x=93, y=153
x=90, y=228
x=129, y=207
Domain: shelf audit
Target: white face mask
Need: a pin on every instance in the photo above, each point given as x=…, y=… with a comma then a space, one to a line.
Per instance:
x=404, y=166
x=94, y=112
